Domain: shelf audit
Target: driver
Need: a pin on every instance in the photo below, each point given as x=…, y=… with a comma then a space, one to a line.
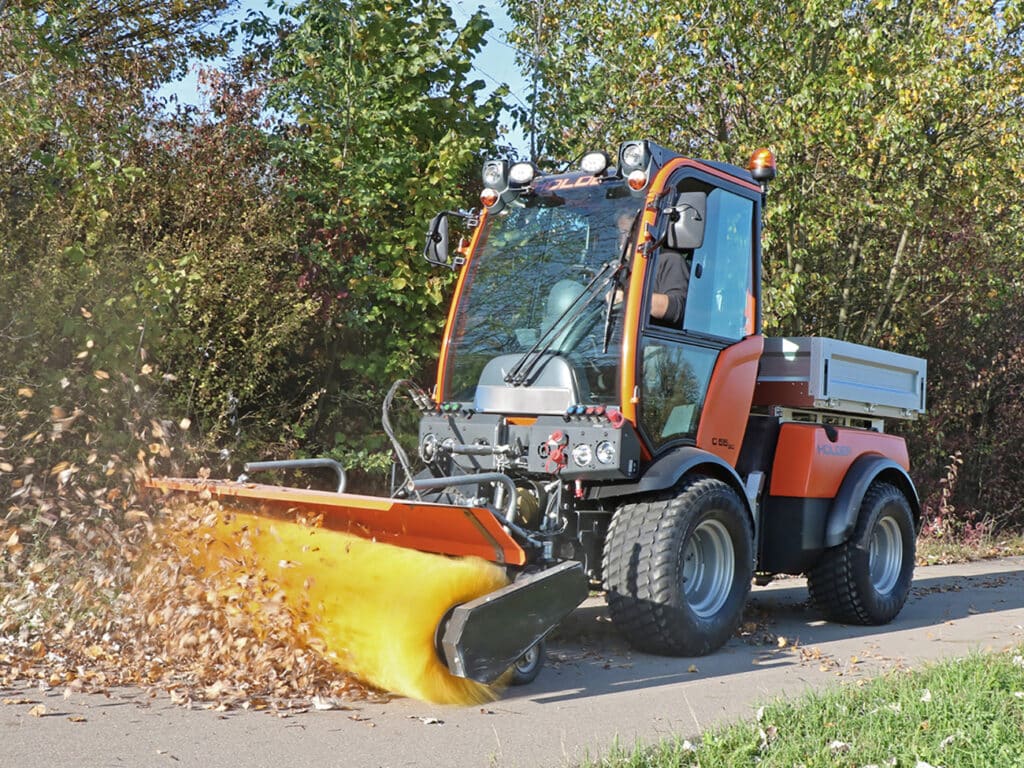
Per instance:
x=671, y=278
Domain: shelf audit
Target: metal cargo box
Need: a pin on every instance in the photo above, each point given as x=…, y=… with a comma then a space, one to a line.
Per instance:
x=827, y=374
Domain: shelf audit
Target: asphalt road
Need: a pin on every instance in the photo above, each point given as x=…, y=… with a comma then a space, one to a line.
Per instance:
x=594, y=690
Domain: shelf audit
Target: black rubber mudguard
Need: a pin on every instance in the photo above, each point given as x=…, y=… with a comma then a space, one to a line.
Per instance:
x=484, y=637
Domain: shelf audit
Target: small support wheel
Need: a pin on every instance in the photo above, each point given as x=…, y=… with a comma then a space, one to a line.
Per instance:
x=528, y=666
x=866, y=579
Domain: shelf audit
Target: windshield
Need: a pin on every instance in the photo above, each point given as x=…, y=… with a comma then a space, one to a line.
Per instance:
x=533, y=261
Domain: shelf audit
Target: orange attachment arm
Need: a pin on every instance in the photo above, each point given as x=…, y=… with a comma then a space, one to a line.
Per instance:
x=441, y=528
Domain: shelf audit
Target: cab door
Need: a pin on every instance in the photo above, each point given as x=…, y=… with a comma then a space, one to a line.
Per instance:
x=715, y=346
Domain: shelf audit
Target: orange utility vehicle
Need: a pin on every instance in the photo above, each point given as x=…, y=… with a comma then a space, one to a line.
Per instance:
x=579, y=433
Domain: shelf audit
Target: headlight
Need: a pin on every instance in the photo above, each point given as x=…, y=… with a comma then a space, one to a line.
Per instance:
x=633, y=156
x=595, y=163
x=521, y=174
x=582, y=454
x=605, y=452
x=495, y=175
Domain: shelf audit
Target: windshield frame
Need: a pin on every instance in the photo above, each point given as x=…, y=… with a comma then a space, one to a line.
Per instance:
x=606, y=209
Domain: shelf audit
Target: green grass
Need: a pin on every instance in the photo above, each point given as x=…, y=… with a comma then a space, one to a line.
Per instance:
x=960, y=713
x=939, y=550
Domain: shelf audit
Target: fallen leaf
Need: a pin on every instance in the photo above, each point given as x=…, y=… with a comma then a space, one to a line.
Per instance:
x=77, y=719
x=38, y=710
x=322, y=704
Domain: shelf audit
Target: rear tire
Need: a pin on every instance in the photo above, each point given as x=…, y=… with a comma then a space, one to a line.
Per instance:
x=677, y=569
x=866, y=579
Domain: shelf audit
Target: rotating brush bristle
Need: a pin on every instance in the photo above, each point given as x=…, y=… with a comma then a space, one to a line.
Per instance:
x=373, y=607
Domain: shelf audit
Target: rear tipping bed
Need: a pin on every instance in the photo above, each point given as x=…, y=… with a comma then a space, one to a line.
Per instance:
x=815, y=373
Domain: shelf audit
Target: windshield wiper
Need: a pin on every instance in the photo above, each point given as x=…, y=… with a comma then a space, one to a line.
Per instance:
x=614, y=280
x=520, y=372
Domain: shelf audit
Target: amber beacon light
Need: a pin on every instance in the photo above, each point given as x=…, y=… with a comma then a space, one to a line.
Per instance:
x=762, y=166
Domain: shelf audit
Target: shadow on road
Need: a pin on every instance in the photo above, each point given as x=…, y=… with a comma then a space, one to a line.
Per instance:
x=587, y=657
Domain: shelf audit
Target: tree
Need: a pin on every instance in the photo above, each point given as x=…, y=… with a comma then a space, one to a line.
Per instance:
x=899, y=132
x=890, y=120
x=383, y=127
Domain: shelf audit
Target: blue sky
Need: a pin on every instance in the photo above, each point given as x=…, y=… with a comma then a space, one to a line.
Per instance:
x=494, y=65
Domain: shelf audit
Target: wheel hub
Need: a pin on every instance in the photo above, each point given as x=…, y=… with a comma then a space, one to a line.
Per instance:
x=708, y=568
x=885, y=555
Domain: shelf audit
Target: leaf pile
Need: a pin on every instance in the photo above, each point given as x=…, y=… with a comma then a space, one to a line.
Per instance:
x=221, y=640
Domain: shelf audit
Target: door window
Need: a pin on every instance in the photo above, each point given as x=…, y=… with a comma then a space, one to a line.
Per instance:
x=721, y=273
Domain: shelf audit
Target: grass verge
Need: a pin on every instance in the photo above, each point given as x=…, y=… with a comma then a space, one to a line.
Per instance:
x=956, y=714
x=942, y=550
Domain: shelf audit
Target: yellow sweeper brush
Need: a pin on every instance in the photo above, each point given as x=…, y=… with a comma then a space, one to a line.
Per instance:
x=411, y=597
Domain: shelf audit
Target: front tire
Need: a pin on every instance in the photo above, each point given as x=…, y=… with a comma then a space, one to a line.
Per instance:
x=866, y=580
x=677, y=569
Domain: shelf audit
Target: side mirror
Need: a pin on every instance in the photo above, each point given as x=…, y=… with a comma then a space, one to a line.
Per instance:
x=436, y=249
x=686, y=221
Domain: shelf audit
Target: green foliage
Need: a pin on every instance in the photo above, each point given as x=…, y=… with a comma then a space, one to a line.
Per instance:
x=899, y=132
x=386, y=129
x=891, y=123
x=73, y=87
x=257, y=278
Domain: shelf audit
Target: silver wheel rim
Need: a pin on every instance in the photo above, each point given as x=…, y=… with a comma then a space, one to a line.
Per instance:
x=528, y=660
x=885, y=557
x=709, y=565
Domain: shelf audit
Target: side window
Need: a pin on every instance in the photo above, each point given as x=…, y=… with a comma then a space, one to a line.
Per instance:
x=675, y=380
x=721, y=279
